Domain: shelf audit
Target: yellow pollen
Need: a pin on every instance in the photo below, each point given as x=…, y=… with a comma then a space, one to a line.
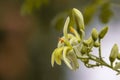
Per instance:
x=72, y=29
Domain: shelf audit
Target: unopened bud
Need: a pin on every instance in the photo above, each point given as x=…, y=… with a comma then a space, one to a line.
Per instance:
x=88, y=42
x=114, y=53
x=94, y=34
x=96, y=44
x=103, y=32
x=85, y=60
x=84, y=49
x=78, y=18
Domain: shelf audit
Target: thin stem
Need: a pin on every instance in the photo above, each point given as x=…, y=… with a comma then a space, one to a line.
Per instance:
x=111, y=64
x=102, y=62
x=100, y=50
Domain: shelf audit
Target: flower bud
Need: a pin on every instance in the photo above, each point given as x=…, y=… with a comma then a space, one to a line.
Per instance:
x=117, y=65
x=88, y=42
x=84, y=49
x=114, y=53
x=86, y=60
x=96, y=44
x=103, y=32
x=94, y=34
x=78, y=18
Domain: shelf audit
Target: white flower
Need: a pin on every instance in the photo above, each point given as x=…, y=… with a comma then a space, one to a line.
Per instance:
x=56, y=56
x=70, y=58
x=67, y=55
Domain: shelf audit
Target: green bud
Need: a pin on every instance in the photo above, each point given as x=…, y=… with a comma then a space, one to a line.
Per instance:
x=88, y=42
x=85, y=60
x=103, y=32
x=94, y=34
x=84, y=49
x=114, y=53
x=96, y=44
x=85, y=43
x=118, y=56
x=78, y=18
x=117, y=65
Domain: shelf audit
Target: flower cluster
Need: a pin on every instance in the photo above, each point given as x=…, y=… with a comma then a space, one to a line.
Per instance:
x=72, y=46
x=65, y=50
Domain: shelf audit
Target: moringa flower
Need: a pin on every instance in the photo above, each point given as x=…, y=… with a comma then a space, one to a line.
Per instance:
x=56, y=56
x=67, y=55
x=66, y=50
x=70, y=58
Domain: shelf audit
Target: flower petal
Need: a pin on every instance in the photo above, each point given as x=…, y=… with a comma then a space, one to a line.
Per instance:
x=58, y=55
x=66, y=60
x=53, y=58
x=73, y=59
x=66, y=27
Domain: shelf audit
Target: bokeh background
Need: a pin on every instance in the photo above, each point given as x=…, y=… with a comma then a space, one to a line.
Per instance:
x=29, y=31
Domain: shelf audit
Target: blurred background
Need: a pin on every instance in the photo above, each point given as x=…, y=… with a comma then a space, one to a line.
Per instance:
x=29, y=31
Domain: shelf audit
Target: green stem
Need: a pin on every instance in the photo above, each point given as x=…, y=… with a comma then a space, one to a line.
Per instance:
x=102, y=62
x=100, y=50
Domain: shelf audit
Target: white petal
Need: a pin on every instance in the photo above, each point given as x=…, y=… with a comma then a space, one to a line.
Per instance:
x=53, y=58
x=66, y=27
x=67, y=62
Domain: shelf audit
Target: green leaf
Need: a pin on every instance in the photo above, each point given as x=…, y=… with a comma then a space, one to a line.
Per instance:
x=91, y=9
x=31, y=5
x=106, y=13
x=58, y=20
